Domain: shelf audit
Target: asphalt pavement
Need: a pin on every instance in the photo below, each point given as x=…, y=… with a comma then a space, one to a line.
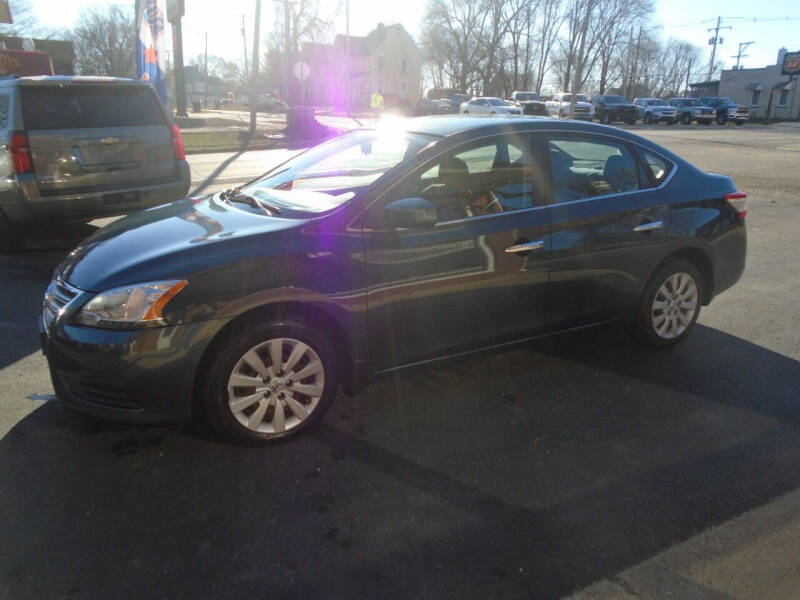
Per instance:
x=576, y=465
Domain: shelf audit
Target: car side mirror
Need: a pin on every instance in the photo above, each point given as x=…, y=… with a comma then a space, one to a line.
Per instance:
x=412, y=213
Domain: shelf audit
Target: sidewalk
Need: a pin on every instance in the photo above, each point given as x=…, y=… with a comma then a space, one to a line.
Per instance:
x=753, y=556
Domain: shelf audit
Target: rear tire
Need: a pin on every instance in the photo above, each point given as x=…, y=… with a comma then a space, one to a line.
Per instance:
x=273, y=401
x=669, y=306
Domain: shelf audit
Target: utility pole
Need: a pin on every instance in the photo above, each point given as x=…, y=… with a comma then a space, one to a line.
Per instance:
x=713, y=42
x=348, y=70
x=739, y=56
x=253, y=83
x=286, y=94
x=244, y=43
x=205, y=92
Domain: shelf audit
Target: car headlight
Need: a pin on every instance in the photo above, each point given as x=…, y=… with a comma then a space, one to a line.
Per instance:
x=130, y=306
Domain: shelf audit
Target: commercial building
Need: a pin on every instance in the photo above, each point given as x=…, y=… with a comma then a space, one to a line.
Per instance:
x=765, y=90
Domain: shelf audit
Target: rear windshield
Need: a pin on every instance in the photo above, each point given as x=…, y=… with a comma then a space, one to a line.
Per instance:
x=74, y=107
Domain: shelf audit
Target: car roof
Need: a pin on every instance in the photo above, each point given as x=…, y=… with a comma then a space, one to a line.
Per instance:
x=446, y=125
x=61, y=80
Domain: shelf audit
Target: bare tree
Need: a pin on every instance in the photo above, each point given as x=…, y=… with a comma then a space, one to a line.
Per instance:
x=105, y=38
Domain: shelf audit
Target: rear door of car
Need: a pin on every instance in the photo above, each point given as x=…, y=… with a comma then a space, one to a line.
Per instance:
x=88, y=137
x=608, y=221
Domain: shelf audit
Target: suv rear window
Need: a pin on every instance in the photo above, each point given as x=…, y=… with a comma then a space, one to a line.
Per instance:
x=74, y=107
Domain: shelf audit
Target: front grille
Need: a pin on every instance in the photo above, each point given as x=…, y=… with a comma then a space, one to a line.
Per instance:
x=581, y=110
x=59, y=293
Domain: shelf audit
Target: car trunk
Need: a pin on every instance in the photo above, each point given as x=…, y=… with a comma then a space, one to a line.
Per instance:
x=93, y=137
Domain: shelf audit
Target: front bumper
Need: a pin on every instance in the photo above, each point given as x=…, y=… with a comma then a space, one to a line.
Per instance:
x=146, y=375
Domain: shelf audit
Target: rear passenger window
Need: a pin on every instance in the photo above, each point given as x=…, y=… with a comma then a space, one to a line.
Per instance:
x=89, y=105
x=583, y=168
x=659, y=167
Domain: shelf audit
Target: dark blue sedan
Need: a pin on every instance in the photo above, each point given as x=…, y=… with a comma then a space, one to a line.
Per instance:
x=382, y=249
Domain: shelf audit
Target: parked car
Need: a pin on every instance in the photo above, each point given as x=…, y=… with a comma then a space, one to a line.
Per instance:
x=382, y=249
x=559, y=106
x=79, y=148
x=456, y=100
x=487, y=105
x=531, y=103
x=433, y=107
x=727, y=110
x=655, y=110
x=608, y=109
x=691, y=109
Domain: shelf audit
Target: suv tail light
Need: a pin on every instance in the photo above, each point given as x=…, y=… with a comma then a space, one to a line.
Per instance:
x=737, y=200
x=177, y=143
x=21, y=153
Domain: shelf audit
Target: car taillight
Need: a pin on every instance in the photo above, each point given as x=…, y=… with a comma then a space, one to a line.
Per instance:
x=177, y=143
x=737, y=200
x=21, y=153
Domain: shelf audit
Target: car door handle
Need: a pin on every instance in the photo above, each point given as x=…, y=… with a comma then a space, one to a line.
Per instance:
x=525, y=247
x=651, y=226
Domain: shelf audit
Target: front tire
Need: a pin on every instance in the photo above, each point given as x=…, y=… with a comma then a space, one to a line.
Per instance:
x=648, y=119
x=686, y=119
x=721, y=119
x=669, y=307
x=268, y=381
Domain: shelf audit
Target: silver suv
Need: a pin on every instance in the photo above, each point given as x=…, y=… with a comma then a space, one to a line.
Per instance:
x=79, y=148
x=655, y=110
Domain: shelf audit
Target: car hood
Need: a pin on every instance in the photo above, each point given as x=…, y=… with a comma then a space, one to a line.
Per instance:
x=171, y=241
x=620, y=106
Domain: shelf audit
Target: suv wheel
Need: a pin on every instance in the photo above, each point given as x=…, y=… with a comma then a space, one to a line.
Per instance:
x=669, y=306
x=648, y=118
x=686, y=119
x=270, y=380
x=721, y=119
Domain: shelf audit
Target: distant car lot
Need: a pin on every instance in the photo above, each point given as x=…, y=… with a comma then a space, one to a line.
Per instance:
x=569, y=461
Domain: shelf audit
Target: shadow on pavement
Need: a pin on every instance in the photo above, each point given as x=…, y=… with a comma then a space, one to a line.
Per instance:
x=525, y=473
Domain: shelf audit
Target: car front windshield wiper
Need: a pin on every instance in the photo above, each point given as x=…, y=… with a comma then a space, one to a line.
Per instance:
x=236, y=195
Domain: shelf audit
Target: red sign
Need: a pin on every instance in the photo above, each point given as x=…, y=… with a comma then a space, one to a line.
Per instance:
x=791, y=63
x=22, y=62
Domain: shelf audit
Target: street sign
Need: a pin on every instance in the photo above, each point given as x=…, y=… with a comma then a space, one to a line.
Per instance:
x=791, y=64
x=175, y=10
x=301, y=70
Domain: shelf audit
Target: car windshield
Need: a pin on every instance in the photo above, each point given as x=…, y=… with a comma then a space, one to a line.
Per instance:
x=525, y=96
x=615, y=100
x=656, y=102
x=578, y=97
x=496, y=101
x=725, y=100
x=328, y=175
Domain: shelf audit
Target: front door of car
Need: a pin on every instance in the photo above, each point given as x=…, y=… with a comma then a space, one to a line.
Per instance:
x=476, y=277
x=608, y=226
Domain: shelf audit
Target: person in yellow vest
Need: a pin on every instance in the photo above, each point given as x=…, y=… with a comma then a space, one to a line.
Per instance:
x=376, y=104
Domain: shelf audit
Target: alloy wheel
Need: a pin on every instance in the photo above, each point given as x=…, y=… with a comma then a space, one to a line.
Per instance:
x=276, y=385
x=674, y=306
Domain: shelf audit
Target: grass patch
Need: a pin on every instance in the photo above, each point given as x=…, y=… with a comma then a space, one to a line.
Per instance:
x=197, y=142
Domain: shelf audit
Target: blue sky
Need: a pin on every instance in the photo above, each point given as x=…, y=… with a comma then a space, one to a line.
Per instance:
x=677, y=18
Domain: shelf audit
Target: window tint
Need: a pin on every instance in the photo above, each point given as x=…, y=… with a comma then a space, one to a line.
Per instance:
x=659, y=167
x=492, y=177
x=72, y=107
x=584, y=167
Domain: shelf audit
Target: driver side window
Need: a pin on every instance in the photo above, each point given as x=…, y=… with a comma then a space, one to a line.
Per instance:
x=491, y=177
